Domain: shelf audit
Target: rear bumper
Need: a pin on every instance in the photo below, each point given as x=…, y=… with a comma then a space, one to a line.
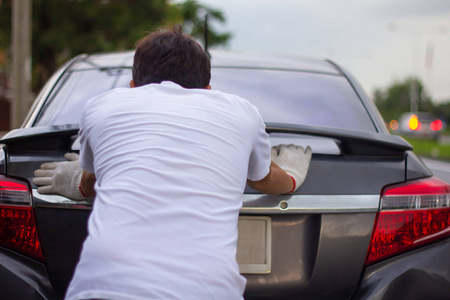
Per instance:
x=420, y=274
x=23, y=278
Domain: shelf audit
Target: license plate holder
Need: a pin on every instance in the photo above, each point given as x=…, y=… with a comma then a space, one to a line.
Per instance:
x=254, y=251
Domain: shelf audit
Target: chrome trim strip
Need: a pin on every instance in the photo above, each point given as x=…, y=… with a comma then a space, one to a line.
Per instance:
x=285, y=204
x=57, y=201
x=256, y=203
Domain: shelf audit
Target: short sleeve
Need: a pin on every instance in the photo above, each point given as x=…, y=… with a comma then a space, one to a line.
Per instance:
x=260, y=160
x=86, y=154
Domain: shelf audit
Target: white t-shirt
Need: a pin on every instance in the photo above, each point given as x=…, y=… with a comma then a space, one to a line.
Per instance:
x=171, y=167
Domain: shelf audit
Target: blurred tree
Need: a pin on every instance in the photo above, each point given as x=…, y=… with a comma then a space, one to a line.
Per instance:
x=395, y=99
x=62, y=29
x=5, y=31
x=194, y=14
x=442, y=111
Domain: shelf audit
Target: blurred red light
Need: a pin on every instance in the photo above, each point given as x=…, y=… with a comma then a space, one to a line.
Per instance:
x=419, y=126
x=436, y=125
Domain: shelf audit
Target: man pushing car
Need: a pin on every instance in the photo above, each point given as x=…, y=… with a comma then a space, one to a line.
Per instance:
x=171, y=159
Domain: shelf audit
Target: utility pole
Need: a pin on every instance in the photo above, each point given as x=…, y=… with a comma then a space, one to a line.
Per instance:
x=21, y=56
x=415, y=59
x=414, y=94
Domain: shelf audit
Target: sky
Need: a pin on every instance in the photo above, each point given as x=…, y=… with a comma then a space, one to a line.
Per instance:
x=378, y=41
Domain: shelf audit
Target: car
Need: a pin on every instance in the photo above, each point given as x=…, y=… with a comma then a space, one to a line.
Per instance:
x=369, y=222
x=420, y=125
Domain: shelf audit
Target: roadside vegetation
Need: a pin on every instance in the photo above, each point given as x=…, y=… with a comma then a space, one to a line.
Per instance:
x=394, y=100
x=431, y=148
x=65, y=28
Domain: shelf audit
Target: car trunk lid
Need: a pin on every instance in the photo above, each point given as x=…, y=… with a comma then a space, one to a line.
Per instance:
x=316, y=239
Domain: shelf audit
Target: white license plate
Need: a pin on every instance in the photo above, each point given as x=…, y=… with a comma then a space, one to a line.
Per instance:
x=254, y=251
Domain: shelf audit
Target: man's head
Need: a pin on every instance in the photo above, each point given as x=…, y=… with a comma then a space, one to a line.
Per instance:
x=173, y=56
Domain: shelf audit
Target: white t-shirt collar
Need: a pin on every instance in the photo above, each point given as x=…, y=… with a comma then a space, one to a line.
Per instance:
x=171, y=84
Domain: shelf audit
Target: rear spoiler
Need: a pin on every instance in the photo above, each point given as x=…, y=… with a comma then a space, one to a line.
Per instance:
x=61, y=137
x=349, y=141
x=48, y=138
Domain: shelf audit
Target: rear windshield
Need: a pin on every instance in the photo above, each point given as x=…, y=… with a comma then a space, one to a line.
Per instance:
x=281, y=96
x=65, y=104
x=297, y=97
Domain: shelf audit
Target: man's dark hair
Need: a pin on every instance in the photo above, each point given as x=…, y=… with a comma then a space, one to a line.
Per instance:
x=173, y=56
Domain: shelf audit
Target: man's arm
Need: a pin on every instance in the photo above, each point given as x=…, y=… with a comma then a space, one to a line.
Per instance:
x=275, y=183
x=87, y=184
x=287, y=172
x=64, y=178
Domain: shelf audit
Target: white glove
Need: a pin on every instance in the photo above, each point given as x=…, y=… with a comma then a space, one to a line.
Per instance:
x=294, y=160
x=61, y=177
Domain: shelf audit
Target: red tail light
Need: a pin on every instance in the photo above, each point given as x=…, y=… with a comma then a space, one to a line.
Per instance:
x=412, y=214
x=18, y=229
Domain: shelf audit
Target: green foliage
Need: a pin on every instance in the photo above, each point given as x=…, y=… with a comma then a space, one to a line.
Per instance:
x=443, y=112
x=5, y=24
x=430, y=148
x=395, y=99
x=65, y=28
x=194, y=14
x=62, y=29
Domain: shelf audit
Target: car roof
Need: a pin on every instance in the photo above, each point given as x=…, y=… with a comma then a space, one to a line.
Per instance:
x=219, y=59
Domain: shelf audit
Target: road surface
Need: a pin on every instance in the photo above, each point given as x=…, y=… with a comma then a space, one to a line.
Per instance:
x=439, y=168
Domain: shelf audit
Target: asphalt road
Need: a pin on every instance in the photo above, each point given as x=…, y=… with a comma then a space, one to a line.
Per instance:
x=439, y=168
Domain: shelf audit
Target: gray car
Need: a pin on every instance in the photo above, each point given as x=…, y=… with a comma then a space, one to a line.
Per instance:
x=420, y=125
x=370, y=221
